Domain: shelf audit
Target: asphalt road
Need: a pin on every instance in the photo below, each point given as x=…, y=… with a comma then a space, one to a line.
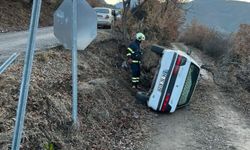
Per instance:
x=17, y=41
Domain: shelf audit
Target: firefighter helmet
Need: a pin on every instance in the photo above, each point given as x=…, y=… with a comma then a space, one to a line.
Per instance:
x=140, y=36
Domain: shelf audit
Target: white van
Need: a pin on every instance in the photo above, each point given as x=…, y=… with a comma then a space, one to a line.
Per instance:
x=174, y=82
x=105, y=16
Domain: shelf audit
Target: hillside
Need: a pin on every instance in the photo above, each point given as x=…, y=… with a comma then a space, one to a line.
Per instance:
x=223, y=15
x=20, y=19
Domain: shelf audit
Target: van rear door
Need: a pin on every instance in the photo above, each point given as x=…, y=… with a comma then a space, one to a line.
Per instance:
x=189, y=86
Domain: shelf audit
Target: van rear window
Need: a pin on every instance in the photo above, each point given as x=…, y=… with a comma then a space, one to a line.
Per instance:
x=104, y=11
x=189, y=85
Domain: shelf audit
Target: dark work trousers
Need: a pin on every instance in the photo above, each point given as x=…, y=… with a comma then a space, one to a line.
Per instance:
x=136, y=71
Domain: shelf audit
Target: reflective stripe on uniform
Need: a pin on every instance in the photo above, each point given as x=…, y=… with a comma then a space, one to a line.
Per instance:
x=128, y=54
x=135, y=79
x=135, y=61
x=131, y=50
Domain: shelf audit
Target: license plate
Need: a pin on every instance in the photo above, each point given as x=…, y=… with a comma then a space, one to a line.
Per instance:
x=162, y=80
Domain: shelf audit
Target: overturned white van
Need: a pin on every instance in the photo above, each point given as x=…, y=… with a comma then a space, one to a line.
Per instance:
x=174, y=81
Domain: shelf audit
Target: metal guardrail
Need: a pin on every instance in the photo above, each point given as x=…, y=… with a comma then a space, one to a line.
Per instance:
x=8, y=62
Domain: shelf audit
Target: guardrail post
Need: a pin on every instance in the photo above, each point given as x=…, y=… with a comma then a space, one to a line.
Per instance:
x=74, y=61
x=26, y=75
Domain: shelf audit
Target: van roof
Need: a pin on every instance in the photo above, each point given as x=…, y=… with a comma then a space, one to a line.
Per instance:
x=102, y=8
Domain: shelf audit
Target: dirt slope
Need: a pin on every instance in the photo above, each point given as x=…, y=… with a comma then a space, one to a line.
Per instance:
x=108, y=115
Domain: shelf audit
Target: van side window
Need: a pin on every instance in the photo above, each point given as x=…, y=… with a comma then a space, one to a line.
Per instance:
x=189, y=85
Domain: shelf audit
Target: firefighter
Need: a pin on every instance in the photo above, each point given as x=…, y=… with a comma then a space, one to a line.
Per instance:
x=134, y=55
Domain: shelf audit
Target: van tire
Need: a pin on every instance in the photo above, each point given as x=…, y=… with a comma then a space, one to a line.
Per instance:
x=142, y=97
x=157, y=49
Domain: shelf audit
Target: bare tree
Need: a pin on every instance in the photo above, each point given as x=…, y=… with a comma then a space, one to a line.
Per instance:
x=158, y=19
x=126, y=8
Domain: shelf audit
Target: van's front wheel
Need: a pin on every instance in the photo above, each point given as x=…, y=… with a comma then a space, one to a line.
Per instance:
x=157, y=49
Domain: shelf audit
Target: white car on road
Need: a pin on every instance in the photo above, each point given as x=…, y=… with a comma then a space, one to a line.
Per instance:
x=105, y=16
x=174, y=81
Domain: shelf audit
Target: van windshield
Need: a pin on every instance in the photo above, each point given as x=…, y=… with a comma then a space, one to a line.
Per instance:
x=189, y=85
x=104, y=11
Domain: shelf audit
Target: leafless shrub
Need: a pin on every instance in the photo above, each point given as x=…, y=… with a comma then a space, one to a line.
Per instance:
x=239, y=57
x=209, y=40
x=234, y=69
x=214, y=44
x=241, y=44
x=159, y=21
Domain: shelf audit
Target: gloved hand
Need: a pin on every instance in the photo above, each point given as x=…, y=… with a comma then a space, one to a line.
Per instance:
x=129, y=61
